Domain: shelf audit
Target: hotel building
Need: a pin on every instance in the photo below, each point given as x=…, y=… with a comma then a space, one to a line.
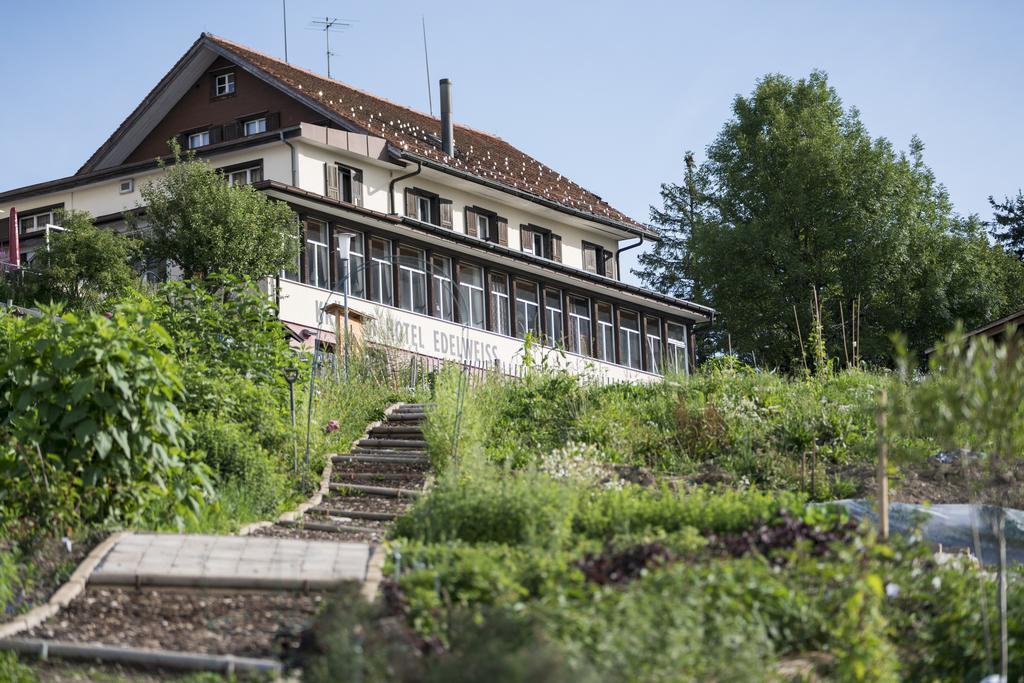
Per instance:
x=458, y=243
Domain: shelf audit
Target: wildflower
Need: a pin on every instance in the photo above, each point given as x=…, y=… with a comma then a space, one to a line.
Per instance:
x=332, y=426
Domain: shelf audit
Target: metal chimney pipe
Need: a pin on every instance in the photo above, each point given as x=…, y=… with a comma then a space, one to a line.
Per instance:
x=447, y=127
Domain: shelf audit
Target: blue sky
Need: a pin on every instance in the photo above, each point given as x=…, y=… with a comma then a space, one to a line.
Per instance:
x=607, y=93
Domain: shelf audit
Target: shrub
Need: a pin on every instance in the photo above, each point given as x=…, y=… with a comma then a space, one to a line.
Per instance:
x=89, y=406
x=521, y=509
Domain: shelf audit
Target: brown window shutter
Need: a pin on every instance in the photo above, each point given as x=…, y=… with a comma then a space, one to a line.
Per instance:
x=213, y=85
x=216, y=135
x=556, y=248
x=589, y=258
x=273, y=121
x=411, y=210
x=446, y=213
x=230, y=131
x=470, y=221
x=609, y=263
x=502, y=231
x=331, y=181
x=525, y=238
x=357, y=187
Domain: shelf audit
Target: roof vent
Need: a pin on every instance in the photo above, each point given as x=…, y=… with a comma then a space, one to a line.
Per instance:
x=447, y=127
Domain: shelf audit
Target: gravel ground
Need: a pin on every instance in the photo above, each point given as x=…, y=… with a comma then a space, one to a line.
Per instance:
x=375, y=536
x=367, y=503
x=244, y=624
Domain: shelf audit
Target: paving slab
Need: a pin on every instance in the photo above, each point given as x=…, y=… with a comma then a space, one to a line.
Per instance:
x=256, y=562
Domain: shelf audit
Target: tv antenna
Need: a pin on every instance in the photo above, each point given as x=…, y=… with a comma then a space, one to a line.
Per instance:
x=329, y=25
x=426, y=60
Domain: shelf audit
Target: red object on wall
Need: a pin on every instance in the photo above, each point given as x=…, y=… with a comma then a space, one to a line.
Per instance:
x=13, y=248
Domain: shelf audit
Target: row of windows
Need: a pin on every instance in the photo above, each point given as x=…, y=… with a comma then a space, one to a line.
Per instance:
x=395, y=274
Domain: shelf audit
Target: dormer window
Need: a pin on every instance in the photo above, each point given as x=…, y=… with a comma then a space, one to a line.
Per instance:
x=255, y=126
x=200, y=139
x=224, y=84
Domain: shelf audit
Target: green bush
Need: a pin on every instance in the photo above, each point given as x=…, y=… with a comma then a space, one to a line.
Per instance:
x=13, y=671
x=89, y=410
x=521, y=509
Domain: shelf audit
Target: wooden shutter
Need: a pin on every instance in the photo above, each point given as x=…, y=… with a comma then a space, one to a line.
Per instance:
x=589, y=258
x=525, y=238
x=182, y=140
x=445, y=206
x=556, y=248
x=470, y=222
x=273, y=121
x=216, y=135
x=230, y=131
x=609, y=263
x=411, y=207
x=331, y=181
x=502, y=230
x=357, y=187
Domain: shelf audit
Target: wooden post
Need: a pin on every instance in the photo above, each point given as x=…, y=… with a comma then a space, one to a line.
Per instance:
x=803, y=471
x=883, y=466
x=800, y=337
x=814, y=470
x=842, y=324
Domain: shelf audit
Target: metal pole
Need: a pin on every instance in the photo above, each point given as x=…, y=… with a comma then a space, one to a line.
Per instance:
x=284, y=15
x=312, y=386
x=345, y=302
x=883, y=466
x=291, y=406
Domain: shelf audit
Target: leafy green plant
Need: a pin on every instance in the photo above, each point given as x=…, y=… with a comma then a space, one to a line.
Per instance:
x=89, y=408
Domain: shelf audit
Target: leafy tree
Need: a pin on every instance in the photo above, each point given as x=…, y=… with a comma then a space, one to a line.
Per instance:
x=796, y=198
x=83, y=267
x=206, y=226
x=1009, y=222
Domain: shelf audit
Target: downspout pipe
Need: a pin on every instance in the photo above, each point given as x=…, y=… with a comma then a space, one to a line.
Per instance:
x=618, y=268
x=391, y=187
x=295, y=178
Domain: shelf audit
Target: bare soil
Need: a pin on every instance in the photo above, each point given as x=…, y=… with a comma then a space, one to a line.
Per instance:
x=371, y=536
x=45, y=564
x=245, y=624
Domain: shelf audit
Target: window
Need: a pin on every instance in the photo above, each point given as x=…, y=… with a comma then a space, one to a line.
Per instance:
x=443, y=291
x=245, y=176
x=471, y=296
x=527, y=309
x=597, y=259
x=224, y=84
x=605, y=333
x=381, y=288
x=534, y=240
x=254, y=126
x=423, y=209
x=343, y=183
x=412, y=280
x=200, y=139
x=676, y=358
x=292, y=271
x=483, y=226
x=356, y=259
x=553, y=317
x=127, y=185
x=652, y=345
x=579, y=325
x=37, y=222
x=629, y=339
x=317, y=267
x=499, y=320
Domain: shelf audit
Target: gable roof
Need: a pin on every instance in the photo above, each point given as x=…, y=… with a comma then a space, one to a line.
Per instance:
x=413, y=134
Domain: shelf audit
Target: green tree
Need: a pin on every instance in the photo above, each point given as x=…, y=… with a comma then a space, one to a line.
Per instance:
x=204, y=225
x=83, y=266
x=796, y=198
x=1009, y=222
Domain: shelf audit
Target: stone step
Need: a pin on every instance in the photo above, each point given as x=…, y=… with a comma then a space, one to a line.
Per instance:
x=406, y=416
x=325, y=526
x=392, y=443
x=396, y=430
x=362, y=474
x=385, y=491
x=381, y=458
x=354, y=514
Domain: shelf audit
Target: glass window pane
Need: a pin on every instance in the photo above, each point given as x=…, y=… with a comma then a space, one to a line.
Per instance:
x=499, y=314
x=579, y=326
x=471, y=296
x=629, y=339
x=527, y=310
x=652, y=344
x=381, y=284
x=553, y=321
x=441, y=281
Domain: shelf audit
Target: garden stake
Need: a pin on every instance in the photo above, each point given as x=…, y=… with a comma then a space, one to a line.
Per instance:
x=983, y=589
x=842, y=326
x=803, y=471
x=800, y=338
x=1004, y=652
x=883, y=467
x=814, y=470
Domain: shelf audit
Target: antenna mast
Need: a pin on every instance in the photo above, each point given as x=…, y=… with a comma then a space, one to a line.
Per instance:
x=426, y=61
x=329, y=25
x=284, y=15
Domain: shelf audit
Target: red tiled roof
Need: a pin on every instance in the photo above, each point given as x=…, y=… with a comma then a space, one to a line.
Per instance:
x=477, y=153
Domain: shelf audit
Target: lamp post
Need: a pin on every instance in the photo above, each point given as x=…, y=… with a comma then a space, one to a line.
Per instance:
x=291, y=374
x=344, y=244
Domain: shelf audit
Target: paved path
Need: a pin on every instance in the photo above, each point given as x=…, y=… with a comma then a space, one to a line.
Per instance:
x=230, y=562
